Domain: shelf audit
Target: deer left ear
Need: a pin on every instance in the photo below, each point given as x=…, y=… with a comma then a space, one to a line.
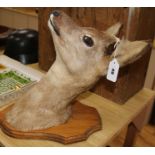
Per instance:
x=114, y=30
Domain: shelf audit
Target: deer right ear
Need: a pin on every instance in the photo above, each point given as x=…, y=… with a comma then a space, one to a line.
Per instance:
x=128, y=52
x=114, y=30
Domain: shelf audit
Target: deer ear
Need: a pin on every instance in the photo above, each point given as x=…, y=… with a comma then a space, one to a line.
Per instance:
x=114, y=30
x=128, y=52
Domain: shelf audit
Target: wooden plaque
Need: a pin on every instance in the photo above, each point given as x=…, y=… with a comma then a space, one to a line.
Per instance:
x=83, y=122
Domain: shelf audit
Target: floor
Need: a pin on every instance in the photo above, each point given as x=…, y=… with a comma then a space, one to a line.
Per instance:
x=145, y=138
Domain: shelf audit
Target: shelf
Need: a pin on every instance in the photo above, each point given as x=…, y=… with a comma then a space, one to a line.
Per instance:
x=31, y=11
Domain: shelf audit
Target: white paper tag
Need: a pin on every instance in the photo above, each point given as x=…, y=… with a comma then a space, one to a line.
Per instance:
x=113, y=70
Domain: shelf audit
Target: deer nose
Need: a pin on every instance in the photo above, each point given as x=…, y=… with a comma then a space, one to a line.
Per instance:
x=56, y=13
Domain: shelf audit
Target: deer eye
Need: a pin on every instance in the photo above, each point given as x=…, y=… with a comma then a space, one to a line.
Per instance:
x=110, y=49
x=88, y=41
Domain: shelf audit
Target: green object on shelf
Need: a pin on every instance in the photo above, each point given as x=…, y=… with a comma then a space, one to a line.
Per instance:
x=12, y=80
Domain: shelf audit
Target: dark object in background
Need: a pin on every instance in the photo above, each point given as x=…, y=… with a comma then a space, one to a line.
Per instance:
x=152, y=119
x=22, y=45
x=4, y=33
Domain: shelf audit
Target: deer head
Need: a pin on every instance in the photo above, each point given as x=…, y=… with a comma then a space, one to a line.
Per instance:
x=82, y=56
x=85, y=51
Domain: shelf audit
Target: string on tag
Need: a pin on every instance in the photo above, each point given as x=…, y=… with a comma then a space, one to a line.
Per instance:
x=113, y=67
x=116, y=44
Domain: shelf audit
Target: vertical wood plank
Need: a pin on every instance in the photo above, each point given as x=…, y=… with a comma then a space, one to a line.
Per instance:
x=130, y=135
x=46, y=46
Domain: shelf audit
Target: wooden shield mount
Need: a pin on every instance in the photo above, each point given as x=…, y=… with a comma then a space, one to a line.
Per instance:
x=83, y=122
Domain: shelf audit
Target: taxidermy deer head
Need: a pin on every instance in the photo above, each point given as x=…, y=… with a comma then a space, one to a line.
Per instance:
x=82, y=57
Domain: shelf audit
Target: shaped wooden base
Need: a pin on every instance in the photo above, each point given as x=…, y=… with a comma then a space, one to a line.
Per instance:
x=84, y=121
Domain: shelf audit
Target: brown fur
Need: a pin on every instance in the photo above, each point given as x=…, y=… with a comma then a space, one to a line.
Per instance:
x=76, y=68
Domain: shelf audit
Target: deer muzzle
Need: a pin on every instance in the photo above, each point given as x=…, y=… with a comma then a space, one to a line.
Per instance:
x=53, y=22
x=61, y=23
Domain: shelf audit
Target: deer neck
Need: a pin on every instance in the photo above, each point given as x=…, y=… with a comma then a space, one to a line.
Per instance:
x=65, y=84
x=58, y=75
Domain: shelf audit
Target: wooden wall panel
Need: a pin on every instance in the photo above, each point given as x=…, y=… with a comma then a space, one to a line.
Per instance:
x=46, y=47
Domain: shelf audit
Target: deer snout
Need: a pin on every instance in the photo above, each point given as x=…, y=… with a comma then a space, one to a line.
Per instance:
x=56, y=13
x=53, y=24
x=61, y=23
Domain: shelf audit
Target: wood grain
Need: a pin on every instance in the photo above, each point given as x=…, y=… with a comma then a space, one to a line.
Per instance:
x=84, y=121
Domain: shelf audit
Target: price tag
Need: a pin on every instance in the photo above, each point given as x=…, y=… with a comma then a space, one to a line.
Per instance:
x=113, y=70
